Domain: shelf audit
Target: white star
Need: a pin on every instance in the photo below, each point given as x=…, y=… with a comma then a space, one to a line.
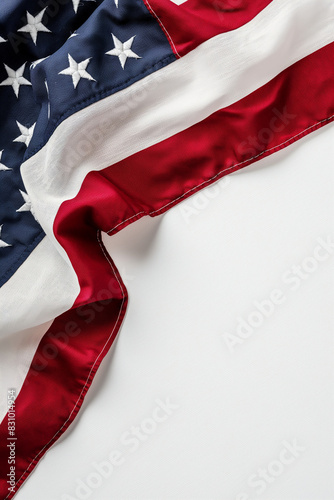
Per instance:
x=123, y=50
x=35, y=25
x=26, y=134
x=77, y=70
x=3, y=244
x=2, y=40
x=15, y=78
x=35, y=63
x=76, y=4
x=2, y=166
x=26, y=207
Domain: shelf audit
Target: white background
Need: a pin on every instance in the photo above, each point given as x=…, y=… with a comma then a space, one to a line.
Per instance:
x=189, y=280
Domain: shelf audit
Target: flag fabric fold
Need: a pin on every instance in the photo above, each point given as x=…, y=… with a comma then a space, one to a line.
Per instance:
x=112, y=111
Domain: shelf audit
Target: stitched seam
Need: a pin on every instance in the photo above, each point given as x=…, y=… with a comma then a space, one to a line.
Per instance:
x=92, y=368
x=110, y=263
x=132, y=217
x=163, y=27
x=220, y=172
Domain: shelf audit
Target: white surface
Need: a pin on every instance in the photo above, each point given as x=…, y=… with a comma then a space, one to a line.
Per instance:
x=188, y=284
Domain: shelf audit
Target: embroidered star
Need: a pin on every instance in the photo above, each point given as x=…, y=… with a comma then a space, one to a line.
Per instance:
x=76, y=4
x=34, y=25
x=2, y=40
x=123, y=50
x=2, y=166
x=77, y=70
x=26, y=207
x=3, y=244
x=15, y=78
x=35, y=63
x=26, y=134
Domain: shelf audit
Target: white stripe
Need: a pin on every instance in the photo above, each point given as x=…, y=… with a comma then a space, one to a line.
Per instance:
x=16, y=354
x=219, y=72
x=42, y=288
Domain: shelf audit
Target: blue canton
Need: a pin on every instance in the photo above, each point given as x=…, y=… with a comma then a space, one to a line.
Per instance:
x=57, y=57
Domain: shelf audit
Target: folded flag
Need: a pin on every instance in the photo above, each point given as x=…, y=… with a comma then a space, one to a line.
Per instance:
x=112, y=110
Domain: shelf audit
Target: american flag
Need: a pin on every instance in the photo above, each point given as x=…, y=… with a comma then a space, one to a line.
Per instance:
x=112, y=110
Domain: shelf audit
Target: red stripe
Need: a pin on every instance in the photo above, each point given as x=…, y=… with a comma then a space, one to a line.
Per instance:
x=195, y=21
x=62, y=371
x=290, y=106
x=293, y=104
